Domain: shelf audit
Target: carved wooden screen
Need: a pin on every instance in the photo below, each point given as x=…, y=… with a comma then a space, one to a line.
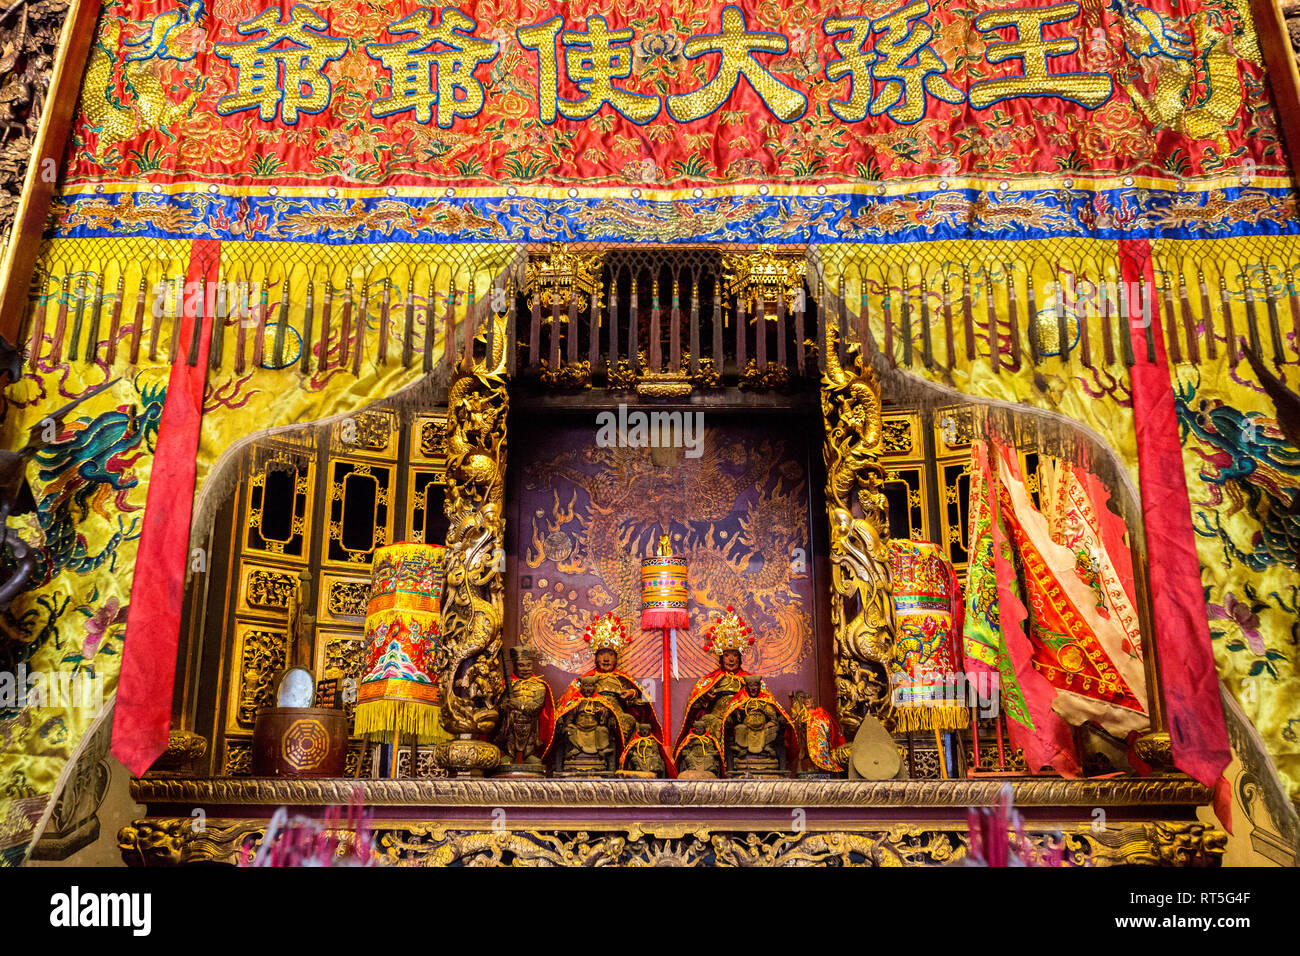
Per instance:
x=379, y=479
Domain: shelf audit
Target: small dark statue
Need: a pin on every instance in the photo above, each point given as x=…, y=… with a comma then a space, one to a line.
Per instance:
x=527, y=714
x=755, y=733
x=698, y=755
x=587, y=734
x=645, y=753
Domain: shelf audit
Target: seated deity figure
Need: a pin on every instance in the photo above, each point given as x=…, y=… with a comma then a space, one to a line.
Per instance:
x=713, y=693
x=586, y=734
x=698, y=755
x=645, y=755
x=607, y=636
x=527, y=713
x=757, y=732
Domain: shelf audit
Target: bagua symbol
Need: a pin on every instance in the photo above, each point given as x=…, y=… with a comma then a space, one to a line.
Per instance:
x=638, y=429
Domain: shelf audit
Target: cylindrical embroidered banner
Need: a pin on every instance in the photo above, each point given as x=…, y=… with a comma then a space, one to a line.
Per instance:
x=928, y=607
x=398, y=692
x=663, y=593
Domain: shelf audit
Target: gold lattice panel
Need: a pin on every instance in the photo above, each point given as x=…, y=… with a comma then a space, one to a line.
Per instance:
x=428, y=436
x=373, y=434
x=351, y=537
x=278, y=506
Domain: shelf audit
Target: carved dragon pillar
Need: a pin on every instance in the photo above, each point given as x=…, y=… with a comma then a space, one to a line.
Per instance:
x=470, y=673
x=862, y=608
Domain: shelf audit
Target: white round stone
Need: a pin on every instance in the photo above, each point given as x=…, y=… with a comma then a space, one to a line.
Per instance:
x=697, y=193
x=512, y=191
x=943, y=184
x=821, y=190
x=636, y=194
x=1128, y=180
x=274, y=190
x=331, y=192
x=763, y=190
x=212, y=188
x=391, y=190
x=157, y=188
x=573, y=194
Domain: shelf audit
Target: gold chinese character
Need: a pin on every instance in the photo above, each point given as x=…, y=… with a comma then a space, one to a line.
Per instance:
x=266, y=76
x=737, y=46
x=902, y=60
x=853, y=63
x=1087, y=89
x=412, y=63
x=593, y=60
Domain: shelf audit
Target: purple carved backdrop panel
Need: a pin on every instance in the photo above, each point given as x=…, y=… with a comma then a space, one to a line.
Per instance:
x=738, y=512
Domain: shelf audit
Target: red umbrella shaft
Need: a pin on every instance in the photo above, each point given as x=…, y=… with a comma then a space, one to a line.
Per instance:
x=668, y=693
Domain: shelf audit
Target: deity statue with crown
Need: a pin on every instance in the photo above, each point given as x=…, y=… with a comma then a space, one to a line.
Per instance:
x=607, y=636
x=713, y=693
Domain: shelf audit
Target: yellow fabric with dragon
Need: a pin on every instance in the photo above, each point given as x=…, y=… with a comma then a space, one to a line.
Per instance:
x=1242, y=475
x=90, y=483
x=1096, y=396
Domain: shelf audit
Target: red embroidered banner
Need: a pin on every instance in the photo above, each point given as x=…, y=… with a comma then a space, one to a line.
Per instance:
x=142, y=713
x=1188, y=676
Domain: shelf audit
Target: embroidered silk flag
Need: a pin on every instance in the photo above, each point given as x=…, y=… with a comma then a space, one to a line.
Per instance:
x=1074, y=504
x=1078, y=650
x=1046, y=739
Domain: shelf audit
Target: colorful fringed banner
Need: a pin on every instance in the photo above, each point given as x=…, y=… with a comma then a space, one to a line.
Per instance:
x=398, y=693
x=1001, y=625
x=928, y=609
x=1096, y=674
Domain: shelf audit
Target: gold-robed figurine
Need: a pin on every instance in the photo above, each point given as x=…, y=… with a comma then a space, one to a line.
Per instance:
x=698, y=756
x=645, y=756
x=586, y=734
x=757, y=731
x=527, y=715
x=607, y=635
x=713, y=693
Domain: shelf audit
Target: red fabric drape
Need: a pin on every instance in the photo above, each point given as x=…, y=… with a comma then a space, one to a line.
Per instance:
x=142, y=713
x=1188, y=677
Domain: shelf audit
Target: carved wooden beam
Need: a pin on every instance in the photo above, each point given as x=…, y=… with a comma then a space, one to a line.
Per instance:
x=47, y=154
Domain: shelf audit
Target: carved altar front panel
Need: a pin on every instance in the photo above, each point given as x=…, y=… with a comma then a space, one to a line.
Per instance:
x=678, y=823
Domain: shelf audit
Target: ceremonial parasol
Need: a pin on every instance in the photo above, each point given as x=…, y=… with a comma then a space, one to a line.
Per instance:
x=663, y=608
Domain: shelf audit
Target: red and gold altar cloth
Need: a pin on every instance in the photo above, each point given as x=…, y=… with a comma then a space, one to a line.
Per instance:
x=398, y=692
x=928, y=607
x=822, y=737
